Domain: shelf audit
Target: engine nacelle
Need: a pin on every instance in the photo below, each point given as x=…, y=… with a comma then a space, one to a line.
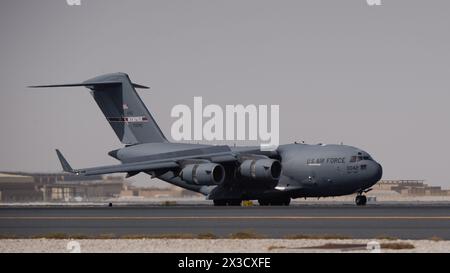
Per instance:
x=203, y=174
x=261, y=169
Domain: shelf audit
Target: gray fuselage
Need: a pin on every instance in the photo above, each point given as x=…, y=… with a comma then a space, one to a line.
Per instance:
x=307, y=170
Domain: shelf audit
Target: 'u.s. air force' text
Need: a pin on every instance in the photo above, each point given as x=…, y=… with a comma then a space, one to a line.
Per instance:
x=330, y=160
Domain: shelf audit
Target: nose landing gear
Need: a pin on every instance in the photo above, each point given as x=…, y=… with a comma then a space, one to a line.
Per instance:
x=361, y=200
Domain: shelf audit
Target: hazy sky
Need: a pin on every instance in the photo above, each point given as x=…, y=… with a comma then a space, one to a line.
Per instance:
x=374, y=77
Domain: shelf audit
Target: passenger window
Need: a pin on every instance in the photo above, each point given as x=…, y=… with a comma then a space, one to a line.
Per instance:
x=353, y=159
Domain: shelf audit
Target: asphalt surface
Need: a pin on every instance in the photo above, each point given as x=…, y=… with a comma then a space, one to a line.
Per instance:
x=373, y=221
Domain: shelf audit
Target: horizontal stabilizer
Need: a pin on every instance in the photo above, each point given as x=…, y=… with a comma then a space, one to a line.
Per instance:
x=88, y=84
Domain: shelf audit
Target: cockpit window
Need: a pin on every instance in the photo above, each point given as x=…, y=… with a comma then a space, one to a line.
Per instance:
x=357, y=158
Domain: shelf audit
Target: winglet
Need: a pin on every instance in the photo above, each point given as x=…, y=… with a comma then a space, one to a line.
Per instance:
x=65, y=165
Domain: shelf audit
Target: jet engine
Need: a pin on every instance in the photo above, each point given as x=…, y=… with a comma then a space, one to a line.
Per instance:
x=206, y=174
x=261, y=169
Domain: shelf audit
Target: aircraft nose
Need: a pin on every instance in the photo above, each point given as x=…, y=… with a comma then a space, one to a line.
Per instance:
x=378, y=172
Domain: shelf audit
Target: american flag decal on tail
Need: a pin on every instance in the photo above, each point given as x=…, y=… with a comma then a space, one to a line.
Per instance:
x=138, y=119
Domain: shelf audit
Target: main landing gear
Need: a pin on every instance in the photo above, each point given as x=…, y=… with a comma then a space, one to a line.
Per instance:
x=229, y=202
x=262, y=202
x=275, y=202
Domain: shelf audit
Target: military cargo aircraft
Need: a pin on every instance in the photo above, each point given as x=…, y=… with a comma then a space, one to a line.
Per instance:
x=227, y=175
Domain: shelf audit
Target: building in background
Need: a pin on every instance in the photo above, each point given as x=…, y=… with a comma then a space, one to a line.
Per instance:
x=18, y=188
x=153, y=192
x=410, y=188
x=51, y=187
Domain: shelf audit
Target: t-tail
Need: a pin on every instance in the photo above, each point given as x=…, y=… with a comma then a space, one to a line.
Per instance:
x=116, y=96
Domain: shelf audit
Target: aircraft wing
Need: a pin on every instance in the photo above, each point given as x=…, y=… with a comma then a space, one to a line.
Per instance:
x=147, y=165
x=151, y=165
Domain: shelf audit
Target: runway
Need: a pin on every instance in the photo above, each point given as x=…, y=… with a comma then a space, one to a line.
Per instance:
x=373, y=221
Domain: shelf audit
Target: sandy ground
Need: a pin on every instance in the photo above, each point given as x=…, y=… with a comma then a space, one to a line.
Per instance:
x=213, y=245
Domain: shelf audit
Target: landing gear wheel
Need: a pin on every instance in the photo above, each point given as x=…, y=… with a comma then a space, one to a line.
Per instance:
x=230, y=202
x=285, y=202
x=234, y=202
x=275, y=202
x=361, y=200
x=220, y=202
